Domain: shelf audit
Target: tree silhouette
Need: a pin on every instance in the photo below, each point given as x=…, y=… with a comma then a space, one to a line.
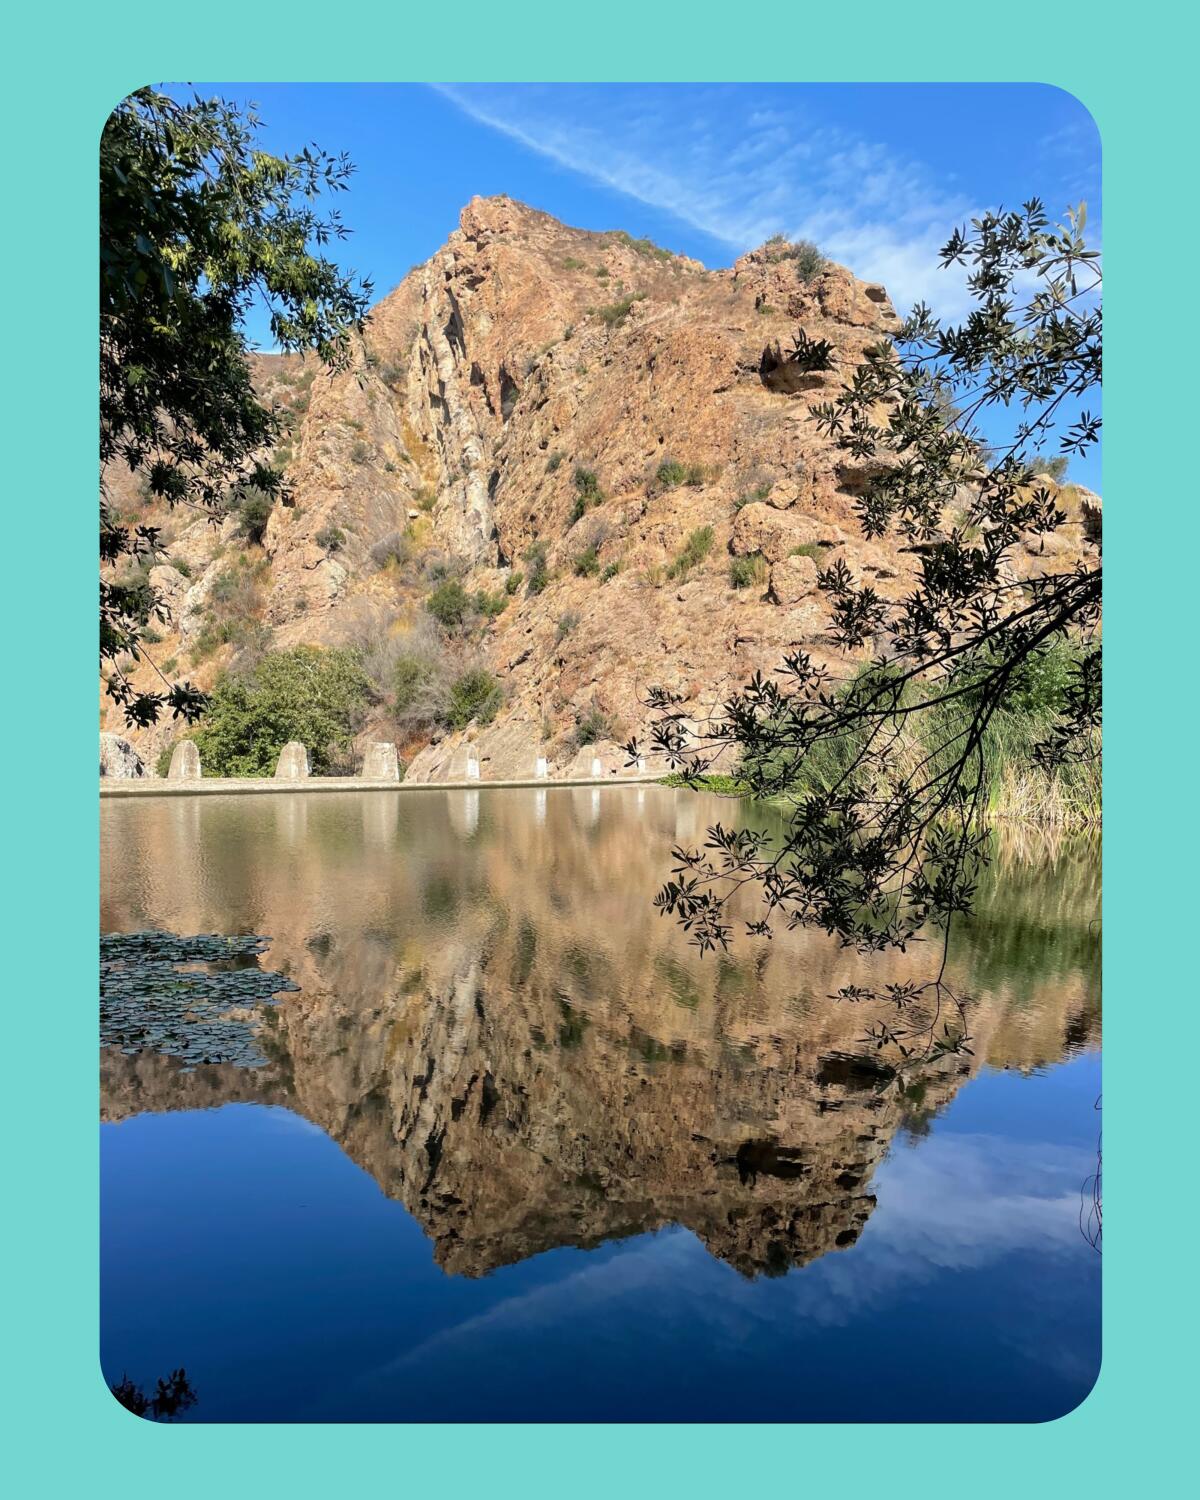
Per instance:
x=196, y=222
x=171, y=1396
x=892, y=836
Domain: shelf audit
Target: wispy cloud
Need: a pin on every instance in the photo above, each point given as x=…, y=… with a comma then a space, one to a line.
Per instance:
x=740, y=172
x=957, y=1205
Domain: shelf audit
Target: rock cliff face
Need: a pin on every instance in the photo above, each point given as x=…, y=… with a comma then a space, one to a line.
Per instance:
x=521, y=353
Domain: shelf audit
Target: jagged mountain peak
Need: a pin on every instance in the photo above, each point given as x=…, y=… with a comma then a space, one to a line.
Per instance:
x=538, y=404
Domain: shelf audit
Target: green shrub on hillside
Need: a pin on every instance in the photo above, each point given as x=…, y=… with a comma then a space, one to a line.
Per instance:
x=307, y=694
x=476, y=694
x=1054, y=465
x=587, y=493
x=586, y=563
x=760, y=492
x=616, y=312
x=745, y=572
x=449, y=604
x=642, y=246
x=534, y=558
x=330, y=538
x=694, y=551
x=809, y=260
x=254, y=509
x=592, y=725
x=818, y=551
x=490, y=605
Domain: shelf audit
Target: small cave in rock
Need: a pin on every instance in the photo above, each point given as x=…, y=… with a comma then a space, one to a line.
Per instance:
x=509, y=391
x=785, y=374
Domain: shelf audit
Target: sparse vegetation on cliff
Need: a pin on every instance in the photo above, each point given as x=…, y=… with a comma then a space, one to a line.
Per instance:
x=475, y=695
x=587, y=493
x=534, y=558
x=692, y=553
x=746, y=572
x=254, y=507
x=809, y=261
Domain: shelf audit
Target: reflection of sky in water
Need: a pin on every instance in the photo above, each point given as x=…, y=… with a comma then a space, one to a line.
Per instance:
x=971, y=1294
x=485, y=971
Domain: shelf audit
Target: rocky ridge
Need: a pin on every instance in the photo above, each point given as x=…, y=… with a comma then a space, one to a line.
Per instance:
x=521, y=353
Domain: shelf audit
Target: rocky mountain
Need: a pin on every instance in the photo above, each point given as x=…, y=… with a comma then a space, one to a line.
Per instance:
x=587, y=432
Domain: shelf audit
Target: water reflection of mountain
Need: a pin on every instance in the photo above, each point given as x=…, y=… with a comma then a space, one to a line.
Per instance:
x=497, y=1027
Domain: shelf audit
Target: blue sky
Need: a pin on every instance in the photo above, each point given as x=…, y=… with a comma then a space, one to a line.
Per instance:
x=876, y=174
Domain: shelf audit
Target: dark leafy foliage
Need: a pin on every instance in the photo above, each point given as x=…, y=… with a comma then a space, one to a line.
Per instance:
x=307, y=694
x=195, y=223
x=449, y=604
x=892, y=837
x=477, y=695
x=172, y=1395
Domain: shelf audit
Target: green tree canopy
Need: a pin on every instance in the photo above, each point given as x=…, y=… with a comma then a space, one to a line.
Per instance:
x=306, y=694
x=196, y=222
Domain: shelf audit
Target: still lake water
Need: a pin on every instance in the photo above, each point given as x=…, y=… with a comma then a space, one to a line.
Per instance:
x=518, y=1153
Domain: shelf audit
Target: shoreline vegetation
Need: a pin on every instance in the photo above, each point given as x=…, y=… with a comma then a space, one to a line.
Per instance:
x=1015, y=787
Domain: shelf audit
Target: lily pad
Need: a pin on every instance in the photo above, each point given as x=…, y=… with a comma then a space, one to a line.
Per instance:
x=160, y=992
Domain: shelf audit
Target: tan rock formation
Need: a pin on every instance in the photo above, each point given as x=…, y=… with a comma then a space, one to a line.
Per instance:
x=521, y=352
x=118, y=758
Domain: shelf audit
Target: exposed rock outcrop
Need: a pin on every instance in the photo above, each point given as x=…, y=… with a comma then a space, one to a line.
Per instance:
x=118, y=758
x=521, y=355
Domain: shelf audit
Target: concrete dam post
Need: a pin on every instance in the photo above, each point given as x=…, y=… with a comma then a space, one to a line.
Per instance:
x=380, y=763
x=293, y=763
x=185, y=762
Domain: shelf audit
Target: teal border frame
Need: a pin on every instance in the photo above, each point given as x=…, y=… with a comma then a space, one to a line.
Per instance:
x=68, y=65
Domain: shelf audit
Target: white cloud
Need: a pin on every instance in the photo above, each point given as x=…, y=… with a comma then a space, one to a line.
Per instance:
x=739, y=173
